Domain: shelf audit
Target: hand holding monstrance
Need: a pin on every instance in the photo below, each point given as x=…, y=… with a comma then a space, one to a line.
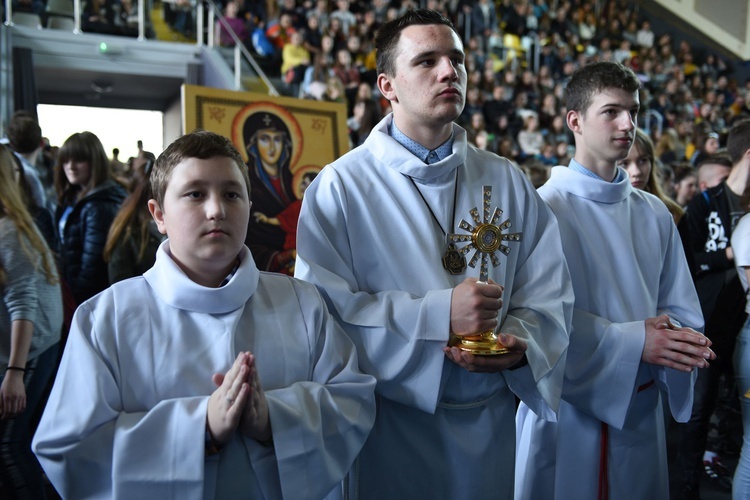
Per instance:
x=486, y=237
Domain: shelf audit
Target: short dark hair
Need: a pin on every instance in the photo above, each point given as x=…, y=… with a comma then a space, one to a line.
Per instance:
x=595, y=78
x=200, y=144
x=738, y=140
x=720, y=157
x=388, y=35
x=24, y=132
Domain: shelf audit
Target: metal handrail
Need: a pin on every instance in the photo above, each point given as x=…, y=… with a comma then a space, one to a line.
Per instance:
x=239, y=49
x=214, y=13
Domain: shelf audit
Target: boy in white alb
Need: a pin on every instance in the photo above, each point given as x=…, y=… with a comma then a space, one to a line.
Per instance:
x=634, y=340
x=135, y=411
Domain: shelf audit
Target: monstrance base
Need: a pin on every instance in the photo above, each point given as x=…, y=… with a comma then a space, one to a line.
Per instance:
x=482, y=344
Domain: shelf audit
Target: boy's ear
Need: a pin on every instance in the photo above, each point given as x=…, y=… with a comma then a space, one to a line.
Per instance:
x=158, y=215
x=573, y=119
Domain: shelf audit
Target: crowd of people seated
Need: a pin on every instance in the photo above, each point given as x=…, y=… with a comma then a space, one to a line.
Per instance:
x=324, y=50
x=109, y=17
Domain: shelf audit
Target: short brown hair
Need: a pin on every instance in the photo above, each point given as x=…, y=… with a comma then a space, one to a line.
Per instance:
x=200, y=144
x=595, y=78
x=388, y=35
x=738, y=140
x=24, y=132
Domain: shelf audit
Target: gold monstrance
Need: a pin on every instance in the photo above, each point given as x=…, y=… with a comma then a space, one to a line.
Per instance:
x=486, y=238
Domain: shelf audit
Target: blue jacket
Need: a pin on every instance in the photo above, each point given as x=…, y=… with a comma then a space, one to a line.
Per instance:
x=83, y=238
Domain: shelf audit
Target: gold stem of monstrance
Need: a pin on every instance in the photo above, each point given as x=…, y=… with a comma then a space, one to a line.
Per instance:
x=486, y=237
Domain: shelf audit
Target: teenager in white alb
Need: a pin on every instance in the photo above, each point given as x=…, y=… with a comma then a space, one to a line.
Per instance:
x=634, y=342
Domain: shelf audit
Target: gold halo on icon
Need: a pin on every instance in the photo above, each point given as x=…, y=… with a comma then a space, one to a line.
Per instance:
x=285, y=116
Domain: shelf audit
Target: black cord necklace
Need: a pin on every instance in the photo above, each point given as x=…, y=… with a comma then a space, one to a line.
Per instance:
x=453, y=261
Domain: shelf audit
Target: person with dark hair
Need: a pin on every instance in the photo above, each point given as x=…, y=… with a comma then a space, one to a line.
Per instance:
x=635, y=341
x=713, y=170
x=205, y=377
x=381, y=233
x=685, y=183
x=269, y=148
x=713, y=216
x=88, y=200
x=25, y=138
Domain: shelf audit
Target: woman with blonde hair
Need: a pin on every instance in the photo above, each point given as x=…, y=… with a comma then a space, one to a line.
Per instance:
x=643, y=171
x=31, y=318
x=88, y=200
x=644, y=174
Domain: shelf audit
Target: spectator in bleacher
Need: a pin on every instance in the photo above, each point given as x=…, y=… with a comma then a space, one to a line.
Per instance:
x=98, y=16
x=235, y=24
x=707, y=142
x=548, y=110
x=296, y=14
x=345, y=16
x=335, y=91
x=126, y=19
x=380, y=9
x=183, y=17
x=295, y=59
x=494, y=107
x=335, y=31
x=321, y=12
x=349, y=75
x=368, y=27
x=530, y=138
x=354, y=46
x=315, y=81
x=685, y=183
x=645, y=37
x=279, y=33
x=312, y=35
x=484, y=19
x=666, y=147
x=33, y=6
x=474, y=104
x=623, y=54
x=558, y=133
x=476, y=124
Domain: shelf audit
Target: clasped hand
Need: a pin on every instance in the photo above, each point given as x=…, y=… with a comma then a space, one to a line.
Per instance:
x=475, y=307
x=239, y=403
x=680, y=348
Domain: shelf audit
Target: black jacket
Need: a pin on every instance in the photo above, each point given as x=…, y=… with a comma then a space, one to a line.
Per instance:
x=718, y=286
x=82, y=242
